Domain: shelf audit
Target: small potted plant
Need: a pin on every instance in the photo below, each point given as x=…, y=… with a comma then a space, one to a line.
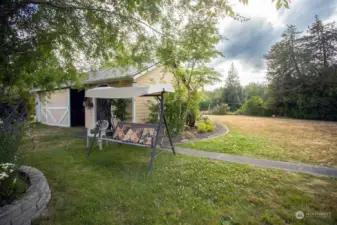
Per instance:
x=88, y=103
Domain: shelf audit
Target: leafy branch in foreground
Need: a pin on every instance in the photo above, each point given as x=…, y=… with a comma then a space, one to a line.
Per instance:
x=46, y=43
x=14, y=124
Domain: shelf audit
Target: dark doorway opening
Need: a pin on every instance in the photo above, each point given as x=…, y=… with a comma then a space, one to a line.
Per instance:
x=103, y=109
x=77, y=110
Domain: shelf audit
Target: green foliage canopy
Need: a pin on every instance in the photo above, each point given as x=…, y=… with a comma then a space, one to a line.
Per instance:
x=48, y=42
x=302, y=73
x=255, y=89
x=233, y=92
x=253, y=106
x=42, y=40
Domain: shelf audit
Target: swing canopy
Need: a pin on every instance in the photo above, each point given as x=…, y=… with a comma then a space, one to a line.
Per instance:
x=129, y=92
x=145, y=135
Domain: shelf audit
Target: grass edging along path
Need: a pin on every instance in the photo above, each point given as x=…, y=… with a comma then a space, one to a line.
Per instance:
x=288, y=166
x=283, y=139
x=237, y=142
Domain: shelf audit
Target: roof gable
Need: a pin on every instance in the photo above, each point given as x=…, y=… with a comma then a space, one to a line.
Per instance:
x=110, y=74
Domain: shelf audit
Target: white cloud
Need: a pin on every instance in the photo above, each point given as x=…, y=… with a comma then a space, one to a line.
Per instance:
x=247, y=75
x=333, y=17
x=248, y=41
x=256, y=10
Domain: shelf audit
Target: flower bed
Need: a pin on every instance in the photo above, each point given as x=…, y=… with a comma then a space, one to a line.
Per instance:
x=30, y=206
x=12, y=184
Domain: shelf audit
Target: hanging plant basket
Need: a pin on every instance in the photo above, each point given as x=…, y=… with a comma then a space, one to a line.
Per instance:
x=88, y=103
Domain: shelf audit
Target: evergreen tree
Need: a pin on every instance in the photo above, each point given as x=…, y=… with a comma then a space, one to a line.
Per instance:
x=302, y=73
x=233, y=92
x=320, y=43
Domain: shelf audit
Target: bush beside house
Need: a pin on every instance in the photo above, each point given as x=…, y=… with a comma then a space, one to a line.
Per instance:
x=14, y=127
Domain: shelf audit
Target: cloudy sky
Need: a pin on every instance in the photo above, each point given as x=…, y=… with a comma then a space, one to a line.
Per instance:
x=249, y=41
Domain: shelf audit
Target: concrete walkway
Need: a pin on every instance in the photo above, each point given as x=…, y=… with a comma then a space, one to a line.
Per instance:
x=288, y=166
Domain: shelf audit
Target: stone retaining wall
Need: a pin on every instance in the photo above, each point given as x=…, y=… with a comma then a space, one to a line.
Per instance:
x=32, y=205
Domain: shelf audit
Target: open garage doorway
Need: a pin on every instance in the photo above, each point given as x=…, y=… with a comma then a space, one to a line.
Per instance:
x=77, y=109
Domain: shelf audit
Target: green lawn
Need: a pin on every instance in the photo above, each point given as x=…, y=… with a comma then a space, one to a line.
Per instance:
x=238, y=143
x=112, y=187
x=304, y=141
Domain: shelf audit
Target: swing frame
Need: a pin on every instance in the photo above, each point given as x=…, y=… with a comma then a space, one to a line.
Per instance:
x=158, y=128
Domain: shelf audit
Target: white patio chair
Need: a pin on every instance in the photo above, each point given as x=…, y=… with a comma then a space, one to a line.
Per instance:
x=102, y=125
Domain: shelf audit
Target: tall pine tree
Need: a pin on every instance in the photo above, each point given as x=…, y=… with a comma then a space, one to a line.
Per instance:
x=302, y=73
x=233, y=92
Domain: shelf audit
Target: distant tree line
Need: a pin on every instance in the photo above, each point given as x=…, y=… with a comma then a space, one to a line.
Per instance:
x=233, y=94
x=301, y=74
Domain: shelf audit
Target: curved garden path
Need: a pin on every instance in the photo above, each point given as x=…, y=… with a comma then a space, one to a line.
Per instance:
x=287, y=166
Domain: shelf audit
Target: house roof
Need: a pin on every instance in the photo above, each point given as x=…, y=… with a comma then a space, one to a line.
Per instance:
x=128, y=92
x=111, y=74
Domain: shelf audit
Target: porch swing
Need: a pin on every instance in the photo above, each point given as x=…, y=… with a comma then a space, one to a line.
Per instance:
x=136, y=134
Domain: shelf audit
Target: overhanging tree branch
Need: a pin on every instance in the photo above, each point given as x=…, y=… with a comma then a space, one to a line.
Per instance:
x=74, y=7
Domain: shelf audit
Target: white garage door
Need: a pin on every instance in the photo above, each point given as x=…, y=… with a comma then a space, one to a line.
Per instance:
x=55, y=108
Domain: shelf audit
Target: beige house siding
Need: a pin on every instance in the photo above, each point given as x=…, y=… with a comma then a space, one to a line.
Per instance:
x=55, y=110
x=89, y=117
x=89, y=113
x=157, y=75
x=55, y=107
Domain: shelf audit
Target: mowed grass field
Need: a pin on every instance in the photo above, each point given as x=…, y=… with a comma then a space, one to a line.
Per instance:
x=112, y=187
x=306, y=141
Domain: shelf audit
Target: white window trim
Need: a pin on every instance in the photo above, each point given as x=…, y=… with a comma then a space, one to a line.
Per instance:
x=69, y=111
x=94, y=101
x=133, y=107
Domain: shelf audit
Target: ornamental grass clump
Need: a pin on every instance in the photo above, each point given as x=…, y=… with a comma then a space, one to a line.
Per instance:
x=14, y=124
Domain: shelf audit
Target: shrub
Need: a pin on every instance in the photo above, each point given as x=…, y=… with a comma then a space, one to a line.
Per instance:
x=205, y=125
x=7, y=182
x=14, y=120
x=222, y=109
x=209, y=127
x=209, y=124
x=201, y=127
x=175, y=108
x=253, y=106
x=171, y=113
x=120, y=108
